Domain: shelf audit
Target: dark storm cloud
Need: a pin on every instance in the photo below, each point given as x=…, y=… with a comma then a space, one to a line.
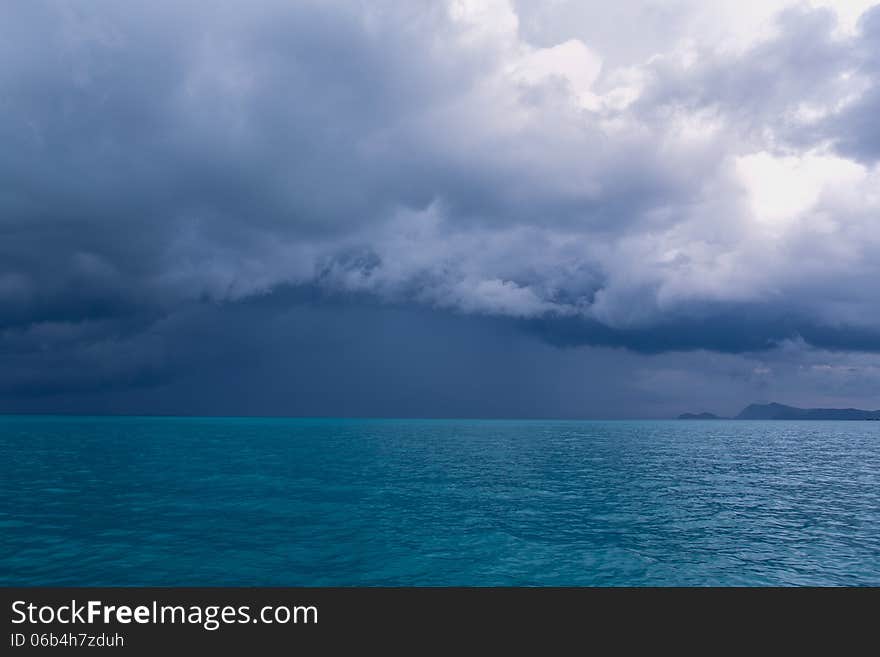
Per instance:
x=297, y=353
x=728, y=330
x=170, y=166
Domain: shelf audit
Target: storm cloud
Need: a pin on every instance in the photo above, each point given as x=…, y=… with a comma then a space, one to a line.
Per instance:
x=171, y=168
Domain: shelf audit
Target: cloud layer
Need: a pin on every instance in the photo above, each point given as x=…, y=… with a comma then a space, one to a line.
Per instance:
x=697, y=182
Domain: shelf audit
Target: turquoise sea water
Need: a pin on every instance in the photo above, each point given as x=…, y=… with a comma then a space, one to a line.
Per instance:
x=242, y=501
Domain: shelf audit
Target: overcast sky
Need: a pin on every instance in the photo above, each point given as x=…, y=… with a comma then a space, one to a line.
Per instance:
x=465, y=208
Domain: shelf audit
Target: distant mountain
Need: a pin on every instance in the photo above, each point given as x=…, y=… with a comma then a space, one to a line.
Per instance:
x=698, y=416
x=783, y=412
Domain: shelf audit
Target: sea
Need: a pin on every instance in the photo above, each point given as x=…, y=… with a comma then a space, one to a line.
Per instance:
x=174, y=501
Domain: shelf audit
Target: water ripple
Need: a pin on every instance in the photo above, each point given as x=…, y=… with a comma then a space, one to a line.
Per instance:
x=211, y=501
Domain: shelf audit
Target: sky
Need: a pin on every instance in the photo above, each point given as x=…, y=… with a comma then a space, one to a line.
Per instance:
x=470, y=208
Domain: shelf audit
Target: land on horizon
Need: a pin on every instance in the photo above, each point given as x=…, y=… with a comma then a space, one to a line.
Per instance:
x=768, y=411
x=775, y=411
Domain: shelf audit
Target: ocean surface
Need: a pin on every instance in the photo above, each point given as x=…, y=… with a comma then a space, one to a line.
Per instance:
x=243, y=501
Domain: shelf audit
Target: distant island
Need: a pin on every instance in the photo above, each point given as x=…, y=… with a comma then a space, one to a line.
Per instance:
x=775, y=411
x=699, y=416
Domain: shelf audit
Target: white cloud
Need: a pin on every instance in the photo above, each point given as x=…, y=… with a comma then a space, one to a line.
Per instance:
x=782, y=188
x=570, y=61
